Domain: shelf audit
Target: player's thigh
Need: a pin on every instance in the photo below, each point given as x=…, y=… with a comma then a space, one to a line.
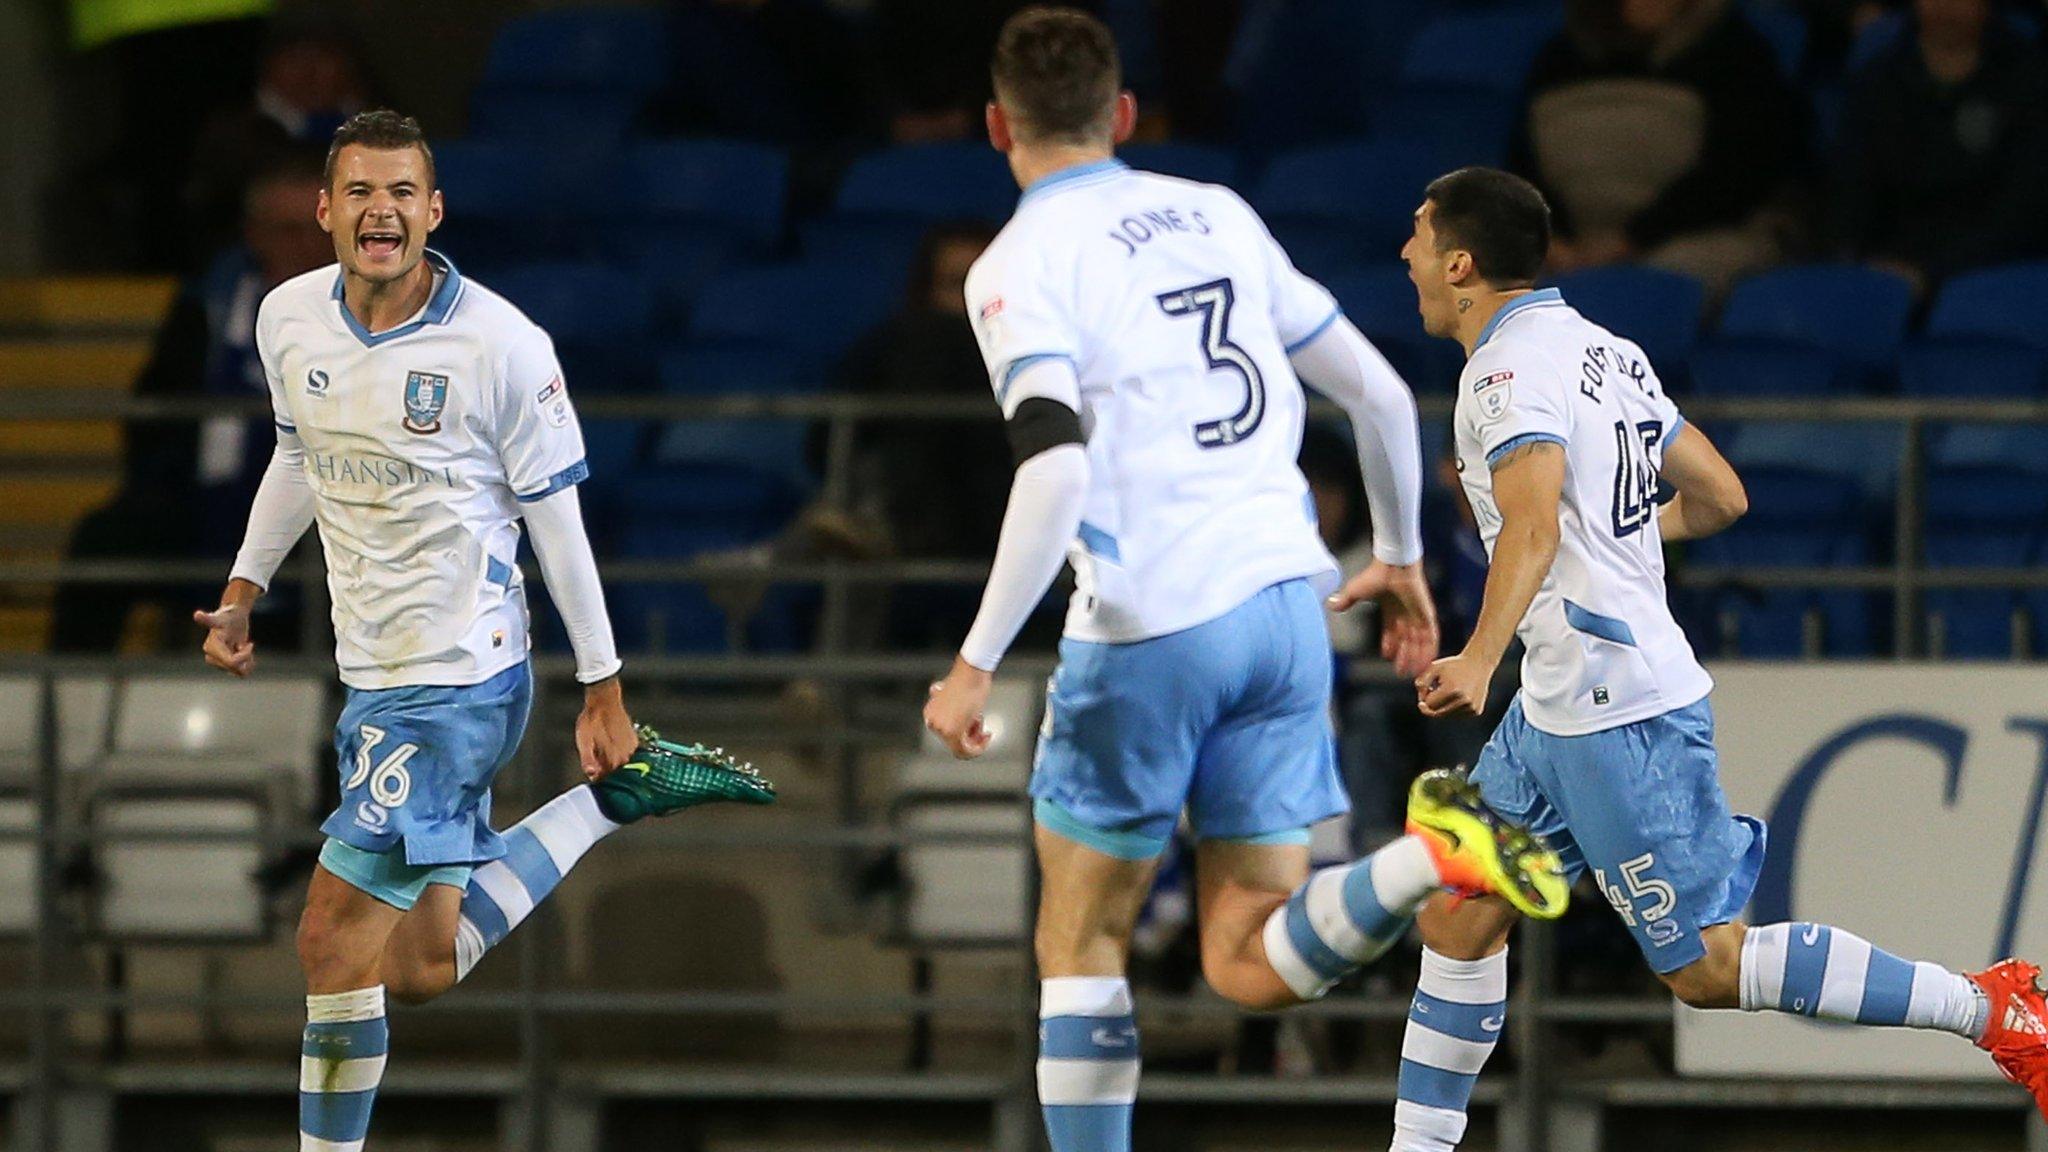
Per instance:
x=1117, y=749
x=425, y=936
x=417, y=766
x=1237, y=887
x=343, y=929
x=1647, y=813
x=1088, y=902
x=1267, y=767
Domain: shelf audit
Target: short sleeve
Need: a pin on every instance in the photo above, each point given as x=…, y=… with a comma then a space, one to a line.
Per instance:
x=539, y=440
x=1018, y=320
x=1514, y=401
x=1302, y=308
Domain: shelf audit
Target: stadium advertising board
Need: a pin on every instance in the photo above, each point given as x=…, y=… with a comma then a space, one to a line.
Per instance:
x=1905, y=805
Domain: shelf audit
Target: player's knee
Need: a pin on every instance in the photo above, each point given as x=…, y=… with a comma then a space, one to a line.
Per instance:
x=1245, y=982
x=412, y=986
x=1705, y=983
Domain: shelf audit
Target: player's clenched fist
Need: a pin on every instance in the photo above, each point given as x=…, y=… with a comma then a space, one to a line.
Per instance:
x=1454, y=684
x=228, y=646
x=954, y=711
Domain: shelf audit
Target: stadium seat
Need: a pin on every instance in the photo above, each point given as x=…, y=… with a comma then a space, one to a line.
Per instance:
x=1984, y=337
x=776, y=448
x=19, y=871
x=676, y=260
x=815, y=308
x=1979, y=518
x=1382, y=304
x=1187, y=161
x=2014, y=447
x=21, y=719
x=1765, y=370
x=931, y=182
x=737, y=368
x=1866, y=453
x=599, y=318
x=1306, y=71
x=884, y=242
x=507, y=202
x=1491, y=50
x=1657, y=309
x=1856, y=315
x=1467, y=125
x=621, y=49
x=158, y=885
x=1801, y=519
x=1365, y=190
x=676, y=513
x=739, y=186
x=578, y=119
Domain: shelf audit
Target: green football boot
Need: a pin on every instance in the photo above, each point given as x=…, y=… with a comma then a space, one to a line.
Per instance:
x=664, y=777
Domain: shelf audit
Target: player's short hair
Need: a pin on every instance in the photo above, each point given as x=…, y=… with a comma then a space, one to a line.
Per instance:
x=1056, y=70
x=1500, y=218
x=382, y=129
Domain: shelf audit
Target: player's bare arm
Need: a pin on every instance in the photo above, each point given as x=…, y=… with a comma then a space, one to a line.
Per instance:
x=1528, y=482
x=1710, y=495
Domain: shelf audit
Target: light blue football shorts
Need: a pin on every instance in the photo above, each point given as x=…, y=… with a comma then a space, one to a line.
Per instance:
x=1229, y=719
x=416, y=769
x=1642, y=806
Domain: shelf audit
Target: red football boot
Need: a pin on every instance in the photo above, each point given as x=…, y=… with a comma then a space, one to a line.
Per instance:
x=2014, y=1032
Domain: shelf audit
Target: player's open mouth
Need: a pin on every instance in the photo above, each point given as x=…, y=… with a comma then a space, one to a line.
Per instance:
x=379, y=243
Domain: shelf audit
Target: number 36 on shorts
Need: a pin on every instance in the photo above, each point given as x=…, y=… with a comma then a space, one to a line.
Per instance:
x=390, y=782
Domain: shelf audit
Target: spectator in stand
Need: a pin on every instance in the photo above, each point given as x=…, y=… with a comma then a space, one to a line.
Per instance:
x=186, y=488
x=308, y=83
x=1662, y=131
x=1945, y=147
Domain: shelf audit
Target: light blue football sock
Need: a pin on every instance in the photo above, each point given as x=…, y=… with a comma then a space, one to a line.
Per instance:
x=1814, y=970
x=341, y=1062
x=1087, y=1063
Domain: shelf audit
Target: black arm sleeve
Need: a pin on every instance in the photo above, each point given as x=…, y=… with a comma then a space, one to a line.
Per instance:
x=1042, y=424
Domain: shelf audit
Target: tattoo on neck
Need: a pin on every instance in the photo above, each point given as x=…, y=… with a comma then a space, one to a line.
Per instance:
x=1465, y=304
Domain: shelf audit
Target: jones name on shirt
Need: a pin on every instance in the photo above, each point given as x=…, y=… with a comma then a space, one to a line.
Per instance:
x=1134, y=232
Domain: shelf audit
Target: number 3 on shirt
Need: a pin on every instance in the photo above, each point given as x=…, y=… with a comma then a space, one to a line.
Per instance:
x=1212, y=302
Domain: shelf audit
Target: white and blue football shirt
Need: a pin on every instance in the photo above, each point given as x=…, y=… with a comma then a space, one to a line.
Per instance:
x=420, y=443
x=1177, y=311
x=1602, y=649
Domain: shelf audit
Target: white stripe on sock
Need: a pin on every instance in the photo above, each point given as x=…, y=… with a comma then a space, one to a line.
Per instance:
x=345, y=1007
x=1763, y=967
x=1941, y=999
x=568, y=825
x=1293, y=971
x=1083, y=996
x=1404, y=875
x=358, y=1075
x=316, y=1144
x=1421, y=1128
x=1426, y=1045
x=1066, y=1081
x=1841, y=984
x=1482, y=981
x=469, y=946
x=502, y=885
x=1327, y=915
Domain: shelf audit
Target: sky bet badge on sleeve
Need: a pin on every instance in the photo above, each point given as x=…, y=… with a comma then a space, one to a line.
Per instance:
x=425, y=395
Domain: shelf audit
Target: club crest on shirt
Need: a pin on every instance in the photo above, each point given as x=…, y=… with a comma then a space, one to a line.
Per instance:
x=425, y=395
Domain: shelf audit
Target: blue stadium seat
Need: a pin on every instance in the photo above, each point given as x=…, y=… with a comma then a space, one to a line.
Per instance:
x=1786, y=31
x=681, y=513
x=1980, y=518
x=1467, y=125
x=1766, y=370
x=1803, y=519
x=1187, y=161
x=581, y=48
x=1367, y=190
x=739, y=186
x=581, y=119
x=598, y=316
x=1857, y=315
x=506, y=202
x=1865, y=453
x=1657, y=309
x=1305, y=71
x=1984, y=337
x=1478, y=49
x=675, y=259
x=1382, y=303
x=815, y=308
x=876, y=242
x=963, y=181
x=737, y=368
x=2012, y=447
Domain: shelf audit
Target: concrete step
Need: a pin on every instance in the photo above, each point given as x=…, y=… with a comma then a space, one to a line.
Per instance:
x=111, y=365
x=52, y=502
x=65, y=440
x=78, y=304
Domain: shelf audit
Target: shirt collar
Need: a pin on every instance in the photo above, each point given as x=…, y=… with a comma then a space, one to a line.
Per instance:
x=1534, y=299
x=1068, y=177
x=440, y=305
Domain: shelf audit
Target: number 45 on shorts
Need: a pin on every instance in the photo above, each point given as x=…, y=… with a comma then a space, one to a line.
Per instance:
x=1641, y=898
